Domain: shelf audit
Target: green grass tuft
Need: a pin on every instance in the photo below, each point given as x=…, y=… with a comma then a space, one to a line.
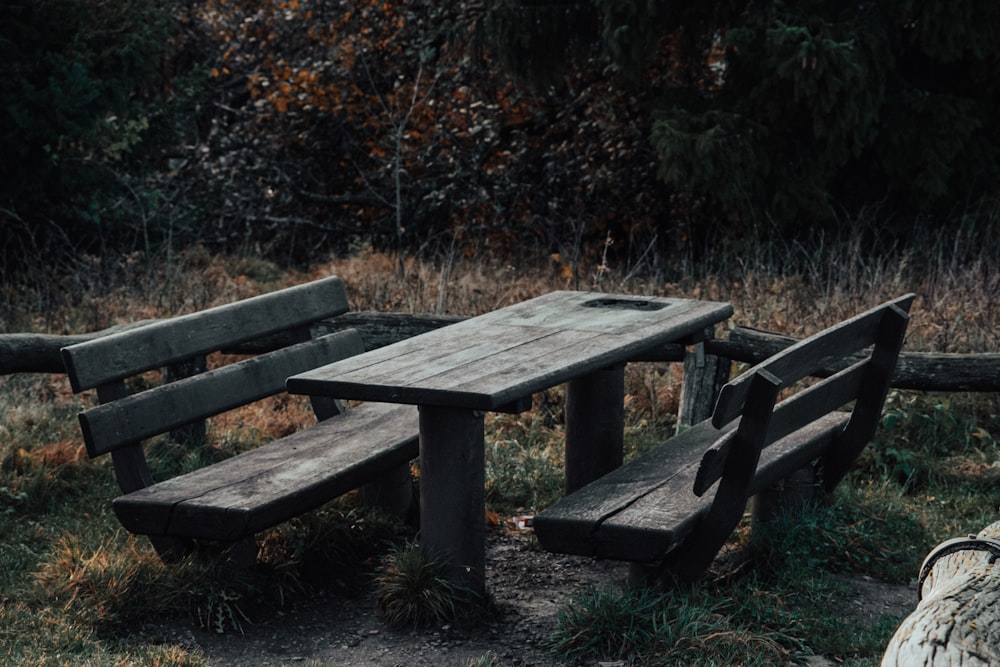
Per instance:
x=645, y=627
x=413, y=591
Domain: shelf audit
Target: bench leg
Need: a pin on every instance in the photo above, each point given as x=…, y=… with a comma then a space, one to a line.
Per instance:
x=171, y=549
x=787, y=495
x=595, y=425
x=452, y=493
x=644, y=575
x=393, y=492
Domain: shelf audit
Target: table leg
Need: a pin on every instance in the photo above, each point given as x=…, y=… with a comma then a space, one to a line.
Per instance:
x=452, y=492
x=595, y=425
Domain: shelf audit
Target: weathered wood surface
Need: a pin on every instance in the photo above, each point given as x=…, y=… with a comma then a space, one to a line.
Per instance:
x=582, y=523
x=957, y=620
x=165, y=342
x=160, y=409
x=924, y=371
x=453, y=492
x=232, y=499
x=595, y=418
x=244, y=494
x=495, y=359
x=39, y=353
x=666, y=504
x=704, y=375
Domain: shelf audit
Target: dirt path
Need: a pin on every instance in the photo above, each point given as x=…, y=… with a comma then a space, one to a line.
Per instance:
x=528, y=585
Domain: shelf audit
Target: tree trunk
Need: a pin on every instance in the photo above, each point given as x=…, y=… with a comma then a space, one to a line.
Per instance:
x=957, y=620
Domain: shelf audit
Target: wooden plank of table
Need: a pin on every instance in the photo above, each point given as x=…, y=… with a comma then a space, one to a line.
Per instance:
x=590, y=311
x=413, y=361
x=502, y=356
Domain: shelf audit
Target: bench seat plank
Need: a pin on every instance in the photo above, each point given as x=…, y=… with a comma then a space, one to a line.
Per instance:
x=277, y=481
x=570, y=525
x=641, y=510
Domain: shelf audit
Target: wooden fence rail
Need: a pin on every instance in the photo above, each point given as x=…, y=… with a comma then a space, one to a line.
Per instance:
x=924, y=371
x=39, y=353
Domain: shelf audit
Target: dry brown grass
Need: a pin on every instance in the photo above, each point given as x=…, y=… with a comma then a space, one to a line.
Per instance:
x=957, y=307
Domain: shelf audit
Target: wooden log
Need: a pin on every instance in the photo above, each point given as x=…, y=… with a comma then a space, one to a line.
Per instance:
x=957, y=619
x=924, y=371
x=39, y=353
x=704, y=376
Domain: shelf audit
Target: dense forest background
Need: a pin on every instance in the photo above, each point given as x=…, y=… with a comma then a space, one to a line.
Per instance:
x=643, y=129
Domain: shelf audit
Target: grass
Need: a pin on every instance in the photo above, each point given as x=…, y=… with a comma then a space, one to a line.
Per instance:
x=74, y=586
x=414, y=591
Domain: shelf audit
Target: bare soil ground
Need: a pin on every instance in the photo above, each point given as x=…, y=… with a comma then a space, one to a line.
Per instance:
x=528, y=585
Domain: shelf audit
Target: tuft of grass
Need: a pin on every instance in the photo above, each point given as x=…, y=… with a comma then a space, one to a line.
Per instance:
x=490, y=659
x=607, y=623
x=120, y=583
x=846, y=532
x=332, y=548
x=647, y=627
x=413, y=591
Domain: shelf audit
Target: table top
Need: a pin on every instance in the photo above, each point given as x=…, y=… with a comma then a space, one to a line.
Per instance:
x=496, y=359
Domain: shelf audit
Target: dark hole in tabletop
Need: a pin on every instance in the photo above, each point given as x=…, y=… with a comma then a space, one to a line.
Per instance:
x=625, y=304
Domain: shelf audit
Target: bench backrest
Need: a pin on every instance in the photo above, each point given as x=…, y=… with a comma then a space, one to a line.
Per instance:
x=122, y=421
x=870, y=342
x=178, y=339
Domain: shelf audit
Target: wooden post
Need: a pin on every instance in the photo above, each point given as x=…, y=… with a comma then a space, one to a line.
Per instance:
x=132, y=473
x=957, y=619
x=452, y=492
x=704, y=375
x=595, y=425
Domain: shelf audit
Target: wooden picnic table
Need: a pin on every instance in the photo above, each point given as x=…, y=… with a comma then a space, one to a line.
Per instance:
x=495, y=362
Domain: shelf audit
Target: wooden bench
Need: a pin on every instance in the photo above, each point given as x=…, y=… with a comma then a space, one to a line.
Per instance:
x=237, y=497
x=672, y=508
